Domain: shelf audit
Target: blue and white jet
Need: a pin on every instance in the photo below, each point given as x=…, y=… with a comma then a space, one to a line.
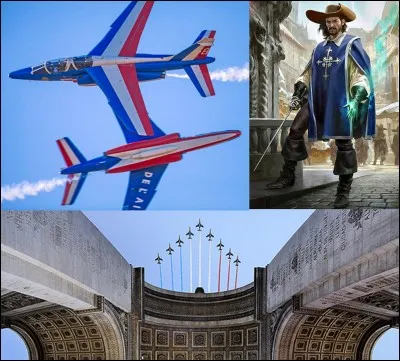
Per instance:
x=116, y=67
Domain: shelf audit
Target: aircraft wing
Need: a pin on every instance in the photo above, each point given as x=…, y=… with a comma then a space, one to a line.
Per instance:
x=142, y=187
x=119, y=82
x=120, y=85
x=123, y=37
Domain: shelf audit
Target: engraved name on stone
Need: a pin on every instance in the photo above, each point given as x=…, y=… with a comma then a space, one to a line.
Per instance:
x=317, y=242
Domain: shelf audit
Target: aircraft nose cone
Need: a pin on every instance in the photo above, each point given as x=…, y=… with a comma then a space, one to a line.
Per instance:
x=236, y=133
x=21, y=74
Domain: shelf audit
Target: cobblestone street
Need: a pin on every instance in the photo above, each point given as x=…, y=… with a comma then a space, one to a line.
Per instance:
x=380, y=190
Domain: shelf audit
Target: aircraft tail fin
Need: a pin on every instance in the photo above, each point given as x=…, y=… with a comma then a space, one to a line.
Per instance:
x=72, y=156
x=201, y=79
x=199, y=49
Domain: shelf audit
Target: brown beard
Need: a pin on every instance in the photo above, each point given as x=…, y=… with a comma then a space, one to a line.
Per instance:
x=325, y=31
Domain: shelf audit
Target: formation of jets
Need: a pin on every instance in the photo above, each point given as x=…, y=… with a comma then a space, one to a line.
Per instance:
x=117, y=68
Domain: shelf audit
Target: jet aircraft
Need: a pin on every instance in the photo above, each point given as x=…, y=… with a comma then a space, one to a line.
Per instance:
x=146, y=160
x=220, y=245
x=116, y=67
x=237, y=261
x=170, y=250
x=210, y=235
x=190, y=234
x=179, y=241
x=229, y=254
x=199, y=225
x=158, y=259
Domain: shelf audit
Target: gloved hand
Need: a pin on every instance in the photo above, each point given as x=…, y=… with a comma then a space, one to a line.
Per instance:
x=360, y=94
x=300, y=89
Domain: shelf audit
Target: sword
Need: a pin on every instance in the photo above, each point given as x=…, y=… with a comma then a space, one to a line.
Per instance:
x=270, y=142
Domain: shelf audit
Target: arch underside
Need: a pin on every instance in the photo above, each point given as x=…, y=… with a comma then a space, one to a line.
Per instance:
x=333, y=334
x=59, y=333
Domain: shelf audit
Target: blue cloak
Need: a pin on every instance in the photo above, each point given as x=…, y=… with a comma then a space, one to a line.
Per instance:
x=329, y=92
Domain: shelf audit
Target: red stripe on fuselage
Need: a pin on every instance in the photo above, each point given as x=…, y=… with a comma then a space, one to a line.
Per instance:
x=144, y=144
x=238, y=133
x=148, y=163
x=131, y=44
x=170, y=137
x=206, y=75
x=129, y=75
x=171, y=157
x=65, y=155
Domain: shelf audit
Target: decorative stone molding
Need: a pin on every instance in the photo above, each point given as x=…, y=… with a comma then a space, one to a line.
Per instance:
x=15, y=300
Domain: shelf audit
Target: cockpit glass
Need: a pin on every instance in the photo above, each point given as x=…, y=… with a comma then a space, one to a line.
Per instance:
x=63, y=65
x=40, y=69
x=81, y=62
x=56, y=66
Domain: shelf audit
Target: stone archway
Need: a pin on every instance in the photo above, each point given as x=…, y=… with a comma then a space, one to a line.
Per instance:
x=59, y=333
x=333, y=334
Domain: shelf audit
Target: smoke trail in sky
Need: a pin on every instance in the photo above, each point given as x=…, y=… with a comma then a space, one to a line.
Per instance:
x=230, y=74
x=23, y=189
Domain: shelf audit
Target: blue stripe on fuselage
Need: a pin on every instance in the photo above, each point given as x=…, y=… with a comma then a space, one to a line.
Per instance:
x=93, y=165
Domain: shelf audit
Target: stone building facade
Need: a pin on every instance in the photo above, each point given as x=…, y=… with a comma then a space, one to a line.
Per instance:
x=298, y=49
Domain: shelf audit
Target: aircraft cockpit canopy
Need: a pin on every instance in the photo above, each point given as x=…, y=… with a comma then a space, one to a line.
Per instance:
x=63, y=65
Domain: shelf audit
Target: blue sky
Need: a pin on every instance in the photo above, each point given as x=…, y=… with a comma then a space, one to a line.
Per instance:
x=35, y=114
x=255, y=235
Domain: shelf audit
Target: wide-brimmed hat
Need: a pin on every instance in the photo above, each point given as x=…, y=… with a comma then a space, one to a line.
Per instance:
x=331, y=11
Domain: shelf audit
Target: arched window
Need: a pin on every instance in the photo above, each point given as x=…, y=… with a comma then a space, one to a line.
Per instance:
x=13, y=347
x=387, y=346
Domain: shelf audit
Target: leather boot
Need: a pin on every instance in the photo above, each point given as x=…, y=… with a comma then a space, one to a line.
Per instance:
x=287, y=177
x=343, y=191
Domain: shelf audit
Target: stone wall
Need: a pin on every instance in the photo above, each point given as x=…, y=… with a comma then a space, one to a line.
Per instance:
x=63, y=258
x=187, y=326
